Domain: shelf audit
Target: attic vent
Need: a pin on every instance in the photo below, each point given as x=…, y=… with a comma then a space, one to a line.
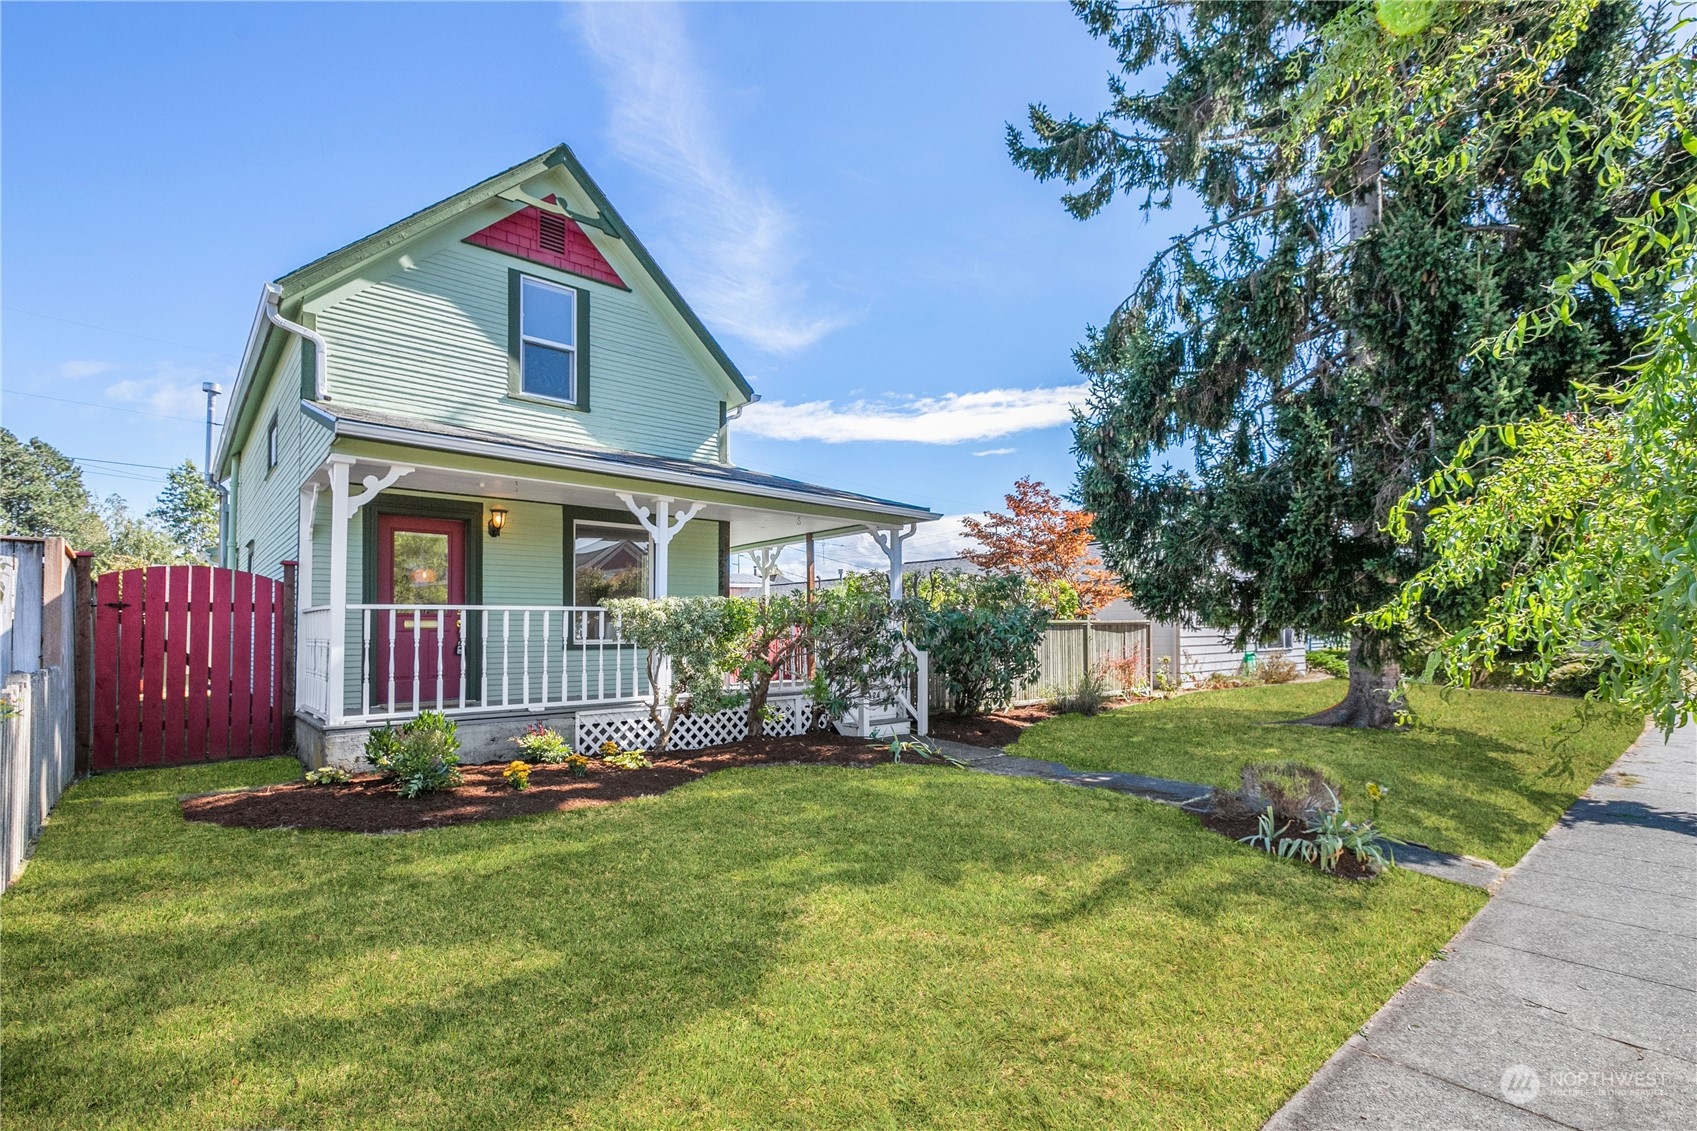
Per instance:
x=552, y=232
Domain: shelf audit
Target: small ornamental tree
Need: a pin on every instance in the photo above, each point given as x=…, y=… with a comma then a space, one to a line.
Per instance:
x=858, y=644
x=982, y=634
x=693, y=643
x=780, y=633
x=1040, y=539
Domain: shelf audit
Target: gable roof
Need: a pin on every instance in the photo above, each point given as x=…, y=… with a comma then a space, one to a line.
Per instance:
x=326, y=267
x=560, y=156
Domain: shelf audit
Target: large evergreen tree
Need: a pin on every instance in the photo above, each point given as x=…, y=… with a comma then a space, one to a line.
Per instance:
x=1310, y=343
x=42, y=493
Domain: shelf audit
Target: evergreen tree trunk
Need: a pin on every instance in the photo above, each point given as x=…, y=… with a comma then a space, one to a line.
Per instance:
x=1373, y=700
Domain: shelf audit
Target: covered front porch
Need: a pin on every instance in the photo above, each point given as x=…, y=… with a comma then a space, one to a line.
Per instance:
x=466, y=573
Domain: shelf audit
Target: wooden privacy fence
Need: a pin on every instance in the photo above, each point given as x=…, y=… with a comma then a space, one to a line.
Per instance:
x=1069, y=649
x=191, y=664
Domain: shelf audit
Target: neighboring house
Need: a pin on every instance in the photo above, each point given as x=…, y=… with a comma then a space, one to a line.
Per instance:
x=470, y=429
x=1191, y=652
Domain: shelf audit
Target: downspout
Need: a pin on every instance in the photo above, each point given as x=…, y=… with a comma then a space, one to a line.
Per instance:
x=320, y=352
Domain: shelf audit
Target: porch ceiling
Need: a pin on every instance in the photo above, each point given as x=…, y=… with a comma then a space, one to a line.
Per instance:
x=751, y=525
x=761, y=509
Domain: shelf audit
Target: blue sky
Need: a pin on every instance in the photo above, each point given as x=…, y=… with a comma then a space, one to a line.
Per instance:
x=827, y=184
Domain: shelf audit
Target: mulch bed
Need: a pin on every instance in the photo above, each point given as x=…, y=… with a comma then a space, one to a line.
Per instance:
x=1239, y=827
x=368, y=804
x=999, y=729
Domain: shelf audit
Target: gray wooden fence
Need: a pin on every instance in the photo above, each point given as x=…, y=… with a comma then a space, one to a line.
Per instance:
x=38, y=737
x=1070, y=648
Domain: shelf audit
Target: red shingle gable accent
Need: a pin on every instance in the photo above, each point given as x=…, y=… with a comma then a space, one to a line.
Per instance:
x=520, y=235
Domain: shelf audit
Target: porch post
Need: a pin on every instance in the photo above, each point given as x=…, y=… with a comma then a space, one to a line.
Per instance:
x=336, y=699
x=661, y=525
x=766, y=567
x=343, y=507
x=303, y=548
x=890, y=540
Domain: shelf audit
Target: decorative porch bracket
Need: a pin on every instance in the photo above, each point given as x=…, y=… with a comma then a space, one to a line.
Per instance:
x=343, y=507
x=661, y=525
x=766, y=567
x=890, y=539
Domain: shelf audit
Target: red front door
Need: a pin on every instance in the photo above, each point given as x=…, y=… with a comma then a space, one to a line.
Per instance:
x=420, y=655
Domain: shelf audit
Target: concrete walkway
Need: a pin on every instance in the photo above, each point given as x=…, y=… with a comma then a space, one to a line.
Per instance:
x=1469, y=870
x=1569, y=1001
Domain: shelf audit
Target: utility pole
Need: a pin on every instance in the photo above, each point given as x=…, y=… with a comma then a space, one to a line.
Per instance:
x=212, y=389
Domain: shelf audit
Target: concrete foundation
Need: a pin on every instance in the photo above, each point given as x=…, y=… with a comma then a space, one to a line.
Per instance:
x=485, y=738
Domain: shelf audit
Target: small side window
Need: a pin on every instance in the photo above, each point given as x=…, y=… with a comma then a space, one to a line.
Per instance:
x=272, y=454
x=547, y=340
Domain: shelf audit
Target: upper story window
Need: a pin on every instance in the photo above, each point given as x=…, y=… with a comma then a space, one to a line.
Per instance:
x=548, y=344
x=272, y=450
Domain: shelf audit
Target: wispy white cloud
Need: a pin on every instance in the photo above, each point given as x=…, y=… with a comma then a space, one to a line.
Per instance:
x=996, y=452
x=738, y=244
x=171, y=389
x=77, y=368
x=953, y=418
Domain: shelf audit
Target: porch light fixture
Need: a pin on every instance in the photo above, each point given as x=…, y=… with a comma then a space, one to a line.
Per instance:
x=497, y=521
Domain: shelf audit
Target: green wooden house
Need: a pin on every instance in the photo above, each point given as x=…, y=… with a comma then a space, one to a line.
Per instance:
x=472, y=428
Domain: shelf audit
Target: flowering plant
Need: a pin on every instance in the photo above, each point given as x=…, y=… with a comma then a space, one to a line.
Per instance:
x=578, y=765
x=543, y=744
x=517, y=774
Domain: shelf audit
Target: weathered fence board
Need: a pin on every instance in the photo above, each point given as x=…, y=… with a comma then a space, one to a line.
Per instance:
x=1069, y=649
x=188, y=667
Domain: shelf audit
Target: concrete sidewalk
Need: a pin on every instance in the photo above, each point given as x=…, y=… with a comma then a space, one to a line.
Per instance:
x=1569, y=1001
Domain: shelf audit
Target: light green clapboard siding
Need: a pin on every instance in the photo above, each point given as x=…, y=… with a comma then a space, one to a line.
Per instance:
x=525, y=566
x=430, y=341
x=264, y=504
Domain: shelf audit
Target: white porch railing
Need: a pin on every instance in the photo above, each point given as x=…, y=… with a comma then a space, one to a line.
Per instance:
x=465, y=660
x=312, y=663
x=914, y=692
x=398, y=660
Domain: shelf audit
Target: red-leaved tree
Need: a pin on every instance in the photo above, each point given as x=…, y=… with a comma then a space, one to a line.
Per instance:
x=1043, y=540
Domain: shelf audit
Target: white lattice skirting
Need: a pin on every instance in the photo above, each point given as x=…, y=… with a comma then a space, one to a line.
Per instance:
x=631, y=728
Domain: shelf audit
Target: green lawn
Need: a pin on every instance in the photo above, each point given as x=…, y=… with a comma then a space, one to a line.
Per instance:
x=1469, y=777
x=778, y=947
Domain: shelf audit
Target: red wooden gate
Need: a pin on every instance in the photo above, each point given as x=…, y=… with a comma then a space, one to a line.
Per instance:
x=188, y=666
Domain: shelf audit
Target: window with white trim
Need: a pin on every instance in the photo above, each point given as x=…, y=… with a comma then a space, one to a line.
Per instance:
x=547, y=340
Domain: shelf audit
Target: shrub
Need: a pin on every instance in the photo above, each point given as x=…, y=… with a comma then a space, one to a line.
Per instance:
x=543, y=744
x=1332, y=661
x=1276, y=669
x=780, y=633
x=1086, y=697
x=628, y=760
x=327, y=775
x=1126, y=673
x=419, y=757
x=692, y=643
x=982, y=633
x=858, y=650
x=517, y=774
x=1294, y=791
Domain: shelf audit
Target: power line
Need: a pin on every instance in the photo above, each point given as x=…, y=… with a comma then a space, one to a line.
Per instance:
x=114, y=330
x=108, y=407
x=121, y=463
